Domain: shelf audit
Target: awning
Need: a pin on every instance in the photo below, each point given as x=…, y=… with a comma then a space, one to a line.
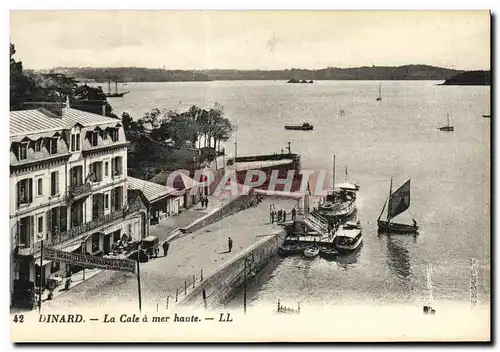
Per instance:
x=150, y=238
x=71, y=247
x=44, y=262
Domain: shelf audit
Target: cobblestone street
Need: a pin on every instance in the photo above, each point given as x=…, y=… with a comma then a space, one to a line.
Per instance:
x=204, y=250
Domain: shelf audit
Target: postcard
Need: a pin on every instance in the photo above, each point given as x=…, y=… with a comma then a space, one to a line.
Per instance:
x=250, y=176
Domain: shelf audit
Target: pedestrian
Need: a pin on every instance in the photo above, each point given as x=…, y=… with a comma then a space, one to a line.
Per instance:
x=230, y=243
x=157, y=251
x=273, y=214
x=206, y=202
x=280, y=213
x=294, y=213
x=284, y=215
x=165, y=246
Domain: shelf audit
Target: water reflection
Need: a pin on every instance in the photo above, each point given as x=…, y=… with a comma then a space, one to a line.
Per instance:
x=399, y=260
x=348, y=260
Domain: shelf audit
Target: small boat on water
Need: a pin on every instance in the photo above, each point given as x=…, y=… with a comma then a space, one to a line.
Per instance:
x=311, y=252
x=306, y=126
x=327, y=253
x=399, y=202
x=288, y=250
x=448, y=127
x=348, y=238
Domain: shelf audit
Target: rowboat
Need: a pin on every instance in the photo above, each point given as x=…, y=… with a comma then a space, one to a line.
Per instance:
x=327, y=253
x=288, y=250
x=311, y=252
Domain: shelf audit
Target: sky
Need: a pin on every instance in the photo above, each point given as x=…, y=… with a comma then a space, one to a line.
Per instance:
x=251, y=39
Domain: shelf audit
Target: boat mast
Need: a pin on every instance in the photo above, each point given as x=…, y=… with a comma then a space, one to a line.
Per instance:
x=333, y=184
x=448, y=119
x=389, y=206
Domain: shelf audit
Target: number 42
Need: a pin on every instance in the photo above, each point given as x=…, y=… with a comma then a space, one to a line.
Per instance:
x=19, y=318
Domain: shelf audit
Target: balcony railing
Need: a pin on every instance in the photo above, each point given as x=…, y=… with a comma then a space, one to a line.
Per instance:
x=80, y=189
x=58, y=238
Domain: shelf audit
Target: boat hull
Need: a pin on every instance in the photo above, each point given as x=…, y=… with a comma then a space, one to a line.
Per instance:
x=392, y=227
x=447, y=129
x=345, y=209
x=311, y=253
x=327, y=253
x=286, y=251
x=299, y=128
x=343, y=248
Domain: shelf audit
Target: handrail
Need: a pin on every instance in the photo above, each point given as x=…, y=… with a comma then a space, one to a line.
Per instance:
x=58, y=238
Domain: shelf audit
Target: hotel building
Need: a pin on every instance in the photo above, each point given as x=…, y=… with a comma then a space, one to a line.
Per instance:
x=68, y=188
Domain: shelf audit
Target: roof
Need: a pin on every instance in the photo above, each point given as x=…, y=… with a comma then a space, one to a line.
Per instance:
x=347, y=186
x=181, y=180
x=33, y=121
x=152, y=191
x=350, y=233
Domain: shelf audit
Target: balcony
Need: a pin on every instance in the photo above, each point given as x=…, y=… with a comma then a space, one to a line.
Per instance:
x=61, y=237
x=79, y=190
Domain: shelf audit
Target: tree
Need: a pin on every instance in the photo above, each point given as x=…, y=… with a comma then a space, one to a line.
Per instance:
x=20, y=84
x=181, y=129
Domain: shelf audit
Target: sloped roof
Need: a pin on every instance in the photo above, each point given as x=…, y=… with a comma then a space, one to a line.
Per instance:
x=181, y=180
x=152, y=191
x=25, y=122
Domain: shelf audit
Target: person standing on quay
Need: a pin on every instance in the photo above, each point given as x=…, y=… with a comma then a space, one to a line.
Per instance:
x=165, y=246
x=280, y=212
x=273, y=214
x=284, y=216
x=206, y=202
x=230, y=244
x=294, y=213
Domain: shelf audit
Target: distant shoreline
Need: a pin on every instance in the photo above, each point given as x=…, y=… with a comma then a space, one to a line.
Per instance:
x=366, y=73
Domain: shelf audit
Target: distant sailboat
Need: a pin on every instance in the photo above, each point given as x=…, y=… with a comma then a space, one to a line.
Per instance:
x=115, y=94
x=379, y=92
x=447, y=128
x=399, y=202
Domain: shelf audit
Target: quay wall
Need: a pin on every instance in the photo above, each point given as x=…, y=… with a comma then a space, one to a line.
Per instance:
x=227, y=280
x=234, y=205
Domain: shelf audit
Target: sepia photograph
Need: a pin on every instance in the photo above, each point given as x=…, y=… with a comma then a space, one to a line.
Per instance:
x=250, y=176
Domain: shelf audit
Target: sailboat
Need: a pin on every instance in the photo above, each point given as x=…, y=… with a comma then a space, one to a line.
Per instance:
x=447, y=128
x=399, y=202
x=115, y=94
x=379, y=92
x=340, y=200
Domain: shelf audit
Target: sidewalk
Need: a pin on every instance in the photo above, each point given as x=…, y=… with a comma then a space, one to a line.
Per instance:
x=205, y=250
x=165, y=228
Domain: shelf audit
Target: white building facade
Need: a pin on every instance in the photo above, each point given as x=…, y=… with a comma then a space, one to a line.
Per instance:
x=68, y=186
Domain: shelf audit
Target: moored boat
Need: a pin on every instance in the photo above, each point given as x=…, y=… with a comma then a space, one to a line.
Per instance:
x=340, y=201
x=399, y=202
x=327, y=253
x=288, y=250
x=311, y=252
x=306, y=126
x=348, y=238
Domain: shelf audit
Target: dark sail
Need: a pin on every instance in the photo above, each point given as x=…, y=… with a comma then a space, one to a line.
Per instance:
x=400, y=200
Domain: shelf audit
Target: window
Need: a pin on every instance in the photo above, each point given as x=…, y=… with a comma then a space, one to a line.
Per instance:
x=40, y=224
x=38, y=145
x=96, y=170
x=75, y=142
x=116, y=165
x=23, y=151
x=114, y=134
x=93, y=138
x=53, y=145
x=39, y=187
x=106, y=168
x=106, y=201
x=78, y=141
x=104, y=135
x=24, y=191
x=54, y=183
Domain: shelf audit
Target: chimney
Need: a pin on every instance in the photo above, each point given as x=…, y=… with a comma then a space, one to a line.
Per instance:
x=52, y=109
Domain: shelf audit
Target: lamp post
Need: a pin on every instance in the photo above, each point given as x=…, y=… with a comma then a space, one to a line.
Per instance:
x=248, y=261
